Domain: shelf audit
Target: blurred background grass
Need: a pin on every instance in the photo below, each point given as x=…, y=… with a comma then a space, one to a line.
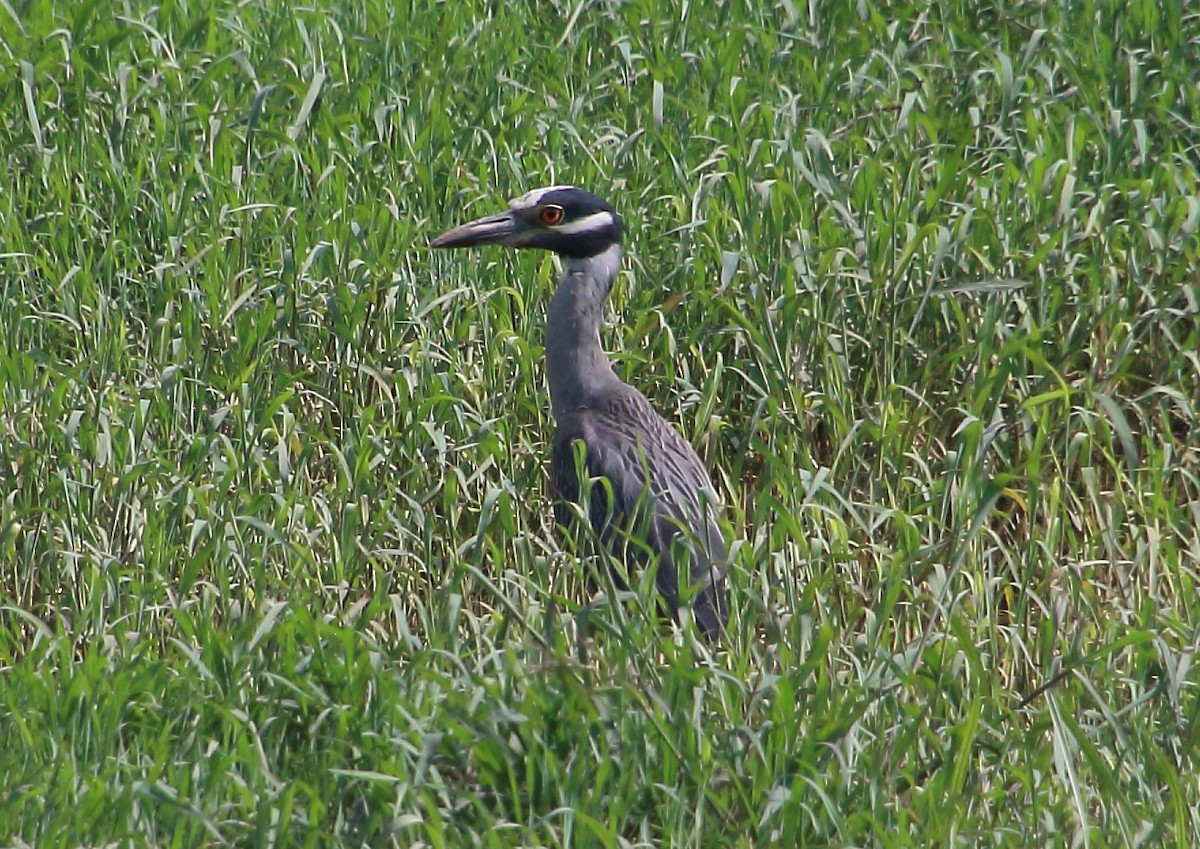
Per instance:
x=917, y=279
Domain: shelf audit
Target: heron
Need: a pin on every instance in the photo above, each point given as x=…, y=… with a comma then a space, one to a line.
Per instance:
x=648, y=494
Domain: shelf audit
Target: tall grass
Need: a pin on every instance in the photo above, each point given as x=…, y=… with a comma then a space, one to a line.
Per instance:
x=919, y=280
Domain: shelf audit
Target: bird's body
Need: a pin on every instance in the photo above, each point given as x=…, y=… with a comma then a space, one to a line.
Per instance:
x=658, y=498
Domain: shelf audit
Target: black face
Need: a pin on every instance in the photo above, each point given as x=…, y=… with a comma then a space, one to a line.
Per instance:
x=569, y=221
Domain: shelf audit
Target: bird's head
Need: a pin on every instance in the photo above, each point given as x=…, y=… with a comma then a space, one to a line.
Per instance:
x=568, y=221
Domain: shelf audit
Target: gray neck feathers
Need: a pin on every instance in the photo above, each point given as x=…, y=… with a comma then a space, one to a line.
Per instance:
x=577, y=367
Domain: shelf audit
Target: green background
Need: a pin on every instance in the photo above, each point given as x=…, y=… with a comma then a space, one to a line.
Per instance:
x=918, y=280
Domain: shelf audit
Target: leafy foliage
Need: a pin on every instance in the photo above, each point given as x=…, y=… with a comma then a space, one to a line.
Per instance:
x=917, y=279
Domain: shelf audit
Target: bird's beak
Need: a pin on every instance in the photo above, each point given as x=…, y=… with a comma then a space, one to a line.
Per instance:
x=492, y=230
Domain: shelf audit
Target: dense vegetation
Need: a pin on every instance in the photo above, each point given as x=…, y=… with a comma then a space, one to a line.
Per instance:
x=918, y=279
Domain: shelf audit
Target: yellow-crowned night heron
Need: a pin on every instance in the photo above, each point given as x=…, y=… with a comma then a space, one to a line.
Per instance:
x=661, y=495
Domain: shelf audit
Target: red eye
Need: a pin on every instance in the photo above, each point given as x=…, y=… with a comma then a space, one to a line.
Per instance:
x=551, y=215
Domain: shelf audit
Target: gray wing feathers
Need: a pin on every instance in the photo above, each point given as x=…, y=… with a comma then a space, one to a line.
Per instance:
x=659, y=488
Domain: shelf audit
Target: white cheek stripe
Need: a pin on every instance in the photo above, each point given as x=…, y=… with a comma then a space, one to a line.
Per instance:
x=595, y=221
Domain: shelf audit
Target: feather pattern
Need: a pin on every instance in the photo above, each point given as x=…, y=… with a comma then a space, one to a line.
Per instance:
x=661, y=502
x=659, y=490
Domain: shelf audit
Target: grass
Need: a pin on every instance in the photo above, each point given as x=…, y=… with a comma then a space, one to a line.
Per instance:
x=919, y=280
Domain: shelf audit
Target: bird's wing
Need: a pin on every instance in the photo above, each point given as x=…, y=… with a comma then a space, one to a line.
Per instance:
x=660, y=493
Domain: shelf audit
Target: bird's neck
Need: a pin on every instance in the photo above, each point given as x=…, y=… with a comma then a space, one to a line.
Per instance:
x=576, y=365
